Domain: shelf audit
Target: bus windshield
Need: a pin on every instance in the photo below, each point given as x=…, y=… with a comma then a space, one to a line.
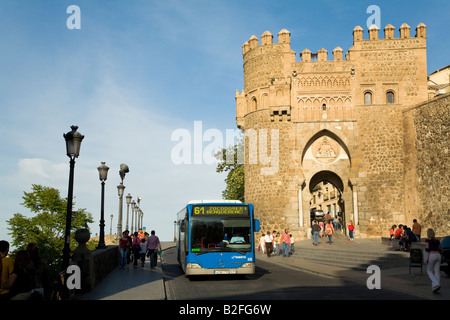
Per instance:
x=220, y=234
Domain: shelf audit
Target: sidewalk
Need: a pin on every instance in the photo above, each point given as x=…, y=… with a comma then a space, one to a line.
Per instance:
x=131, y=283
x=394, y=276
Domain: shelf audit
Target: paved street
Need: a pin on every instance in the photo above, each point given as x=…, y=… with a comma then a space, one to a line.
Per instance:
x=272, y=281
x=277, y=279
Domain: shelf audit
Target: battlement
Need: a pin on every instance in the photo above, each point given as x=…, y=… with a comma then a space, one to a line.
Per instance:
x=322, y=55
x=284, y=37
x=421, y=32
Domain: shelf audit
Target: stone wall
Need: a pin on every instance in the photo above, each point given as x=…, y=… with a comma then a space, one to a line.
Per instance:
x=105, y=260
x=380, y=187
x=427, y=165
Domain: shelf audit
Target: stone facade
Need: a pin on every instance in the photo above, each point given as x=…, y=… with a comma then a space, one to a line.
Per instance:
x=355, y=122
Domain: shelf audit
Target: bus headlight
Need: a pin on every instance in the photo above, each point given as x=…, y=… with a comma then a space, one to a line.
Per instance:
x=247, y=265
x=194, y=266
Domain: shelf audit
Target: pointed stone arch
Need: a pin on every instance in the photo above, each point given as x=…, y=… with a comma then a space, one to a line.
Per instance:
x=343, y=142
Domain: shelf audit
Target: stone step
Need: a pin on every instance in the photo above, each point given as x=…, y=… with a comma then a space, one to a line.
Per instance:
x=355, y=262
x=352, y=255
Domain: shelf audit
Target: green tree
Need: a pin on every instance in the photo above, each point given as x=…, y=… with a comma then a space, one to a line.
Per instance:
x=47, y=227
x=231, y=160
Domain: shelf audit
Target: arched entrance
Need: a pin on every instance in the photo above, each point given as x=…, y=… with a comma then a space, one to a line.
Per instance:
x=326, y=190
x=325, y=185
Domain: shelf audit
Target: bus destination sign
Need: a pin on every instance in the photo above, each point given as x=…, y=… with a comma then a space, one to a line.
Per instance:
x=220, y=210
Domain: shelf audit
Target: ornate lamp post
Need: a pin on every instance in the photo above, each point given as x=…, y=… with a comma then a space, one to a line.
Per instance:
x=73, y=144
x=110, y=227
x=103, y=175
x=133, y=207
x=128, y=197
x=120, y=188
x=137, y=213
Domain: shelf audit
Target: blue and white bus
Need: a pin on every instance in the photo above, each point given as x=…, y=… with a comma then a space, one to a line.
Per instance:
x=216, y=237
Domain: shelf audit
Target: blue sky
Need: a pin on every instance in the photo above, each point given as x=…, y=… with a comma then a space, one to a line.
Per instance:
x=138, y=70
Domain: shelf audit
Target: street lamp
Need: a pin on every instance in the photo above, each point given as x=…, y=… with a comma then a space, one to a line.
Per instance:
x=103, y=175
x=120, y=188
x=73, y=144
x=137, y=212
x=128, y=208
x=133, y=206
x=110, y=227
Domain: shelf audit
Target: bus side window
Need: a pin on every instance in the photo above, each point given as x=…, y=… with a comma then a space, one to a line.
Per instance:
x=183, y=226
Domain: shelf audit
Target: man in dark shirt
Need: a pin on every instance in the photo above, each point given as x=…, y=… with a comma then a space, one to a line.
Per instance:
x=408, y=237
x=315, y=231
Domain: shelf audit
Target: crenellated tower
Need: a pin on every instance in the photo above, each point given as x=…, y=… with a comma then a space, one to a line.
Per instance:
x=339, y=119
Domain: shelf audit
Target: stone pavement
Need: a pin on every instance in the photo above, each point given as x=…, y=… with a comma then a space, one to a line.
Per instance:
x=141, y=283
x=123, y=284
x=395, y=275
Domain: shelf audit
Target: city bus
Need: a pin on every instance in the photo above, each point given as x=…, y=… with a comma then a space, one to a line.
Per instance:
x=216, y=237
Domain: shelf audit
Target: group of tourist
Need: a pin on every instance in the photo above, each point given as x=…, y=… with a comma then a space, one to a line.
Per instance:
x=137, y=246
x=24, y=277
x=432, y=253
x=406, y=235
x=320, y=229
x=274, y=243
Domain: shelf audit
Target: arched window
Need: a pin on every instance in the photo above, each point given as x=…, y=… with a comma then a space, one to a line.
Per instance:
x=253, y=105
x=368, y=97
x=324, y=107
x=390, y=97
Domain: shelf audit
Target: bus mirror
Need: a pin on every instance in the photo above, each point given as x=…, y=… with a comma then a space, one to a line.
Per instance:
x=256, y=225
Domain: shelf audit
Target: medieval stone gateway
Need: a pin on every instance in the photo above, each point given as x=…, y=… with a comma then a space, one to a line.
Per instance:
x=353, y=133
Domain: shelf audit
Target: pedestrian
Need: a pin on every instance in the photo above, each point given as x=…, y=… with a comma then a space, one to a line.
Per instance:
x=433, y=260
x=278, y=244
x=129, y=246
x=285, y=241
x=262, y=247
x=399, y=232
x=40, y=272
x=269, y=243
x=136, y=248
x=274, y=242
x=7, y=266
x=327, y=217
x=417, y=229
x=315, y=231
x=351, y=228
x=335, y=223
x=329, y=231
x=407, y=238
x=21, y=281
x=153, y=246
x=123, y=249
x=392, y=232
x=143, y=246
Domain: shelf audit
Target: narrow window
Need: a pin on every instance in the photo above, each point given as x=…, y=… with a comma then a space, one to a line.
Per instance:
x=254, y=104
x=390, y=97
x=367, y=98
